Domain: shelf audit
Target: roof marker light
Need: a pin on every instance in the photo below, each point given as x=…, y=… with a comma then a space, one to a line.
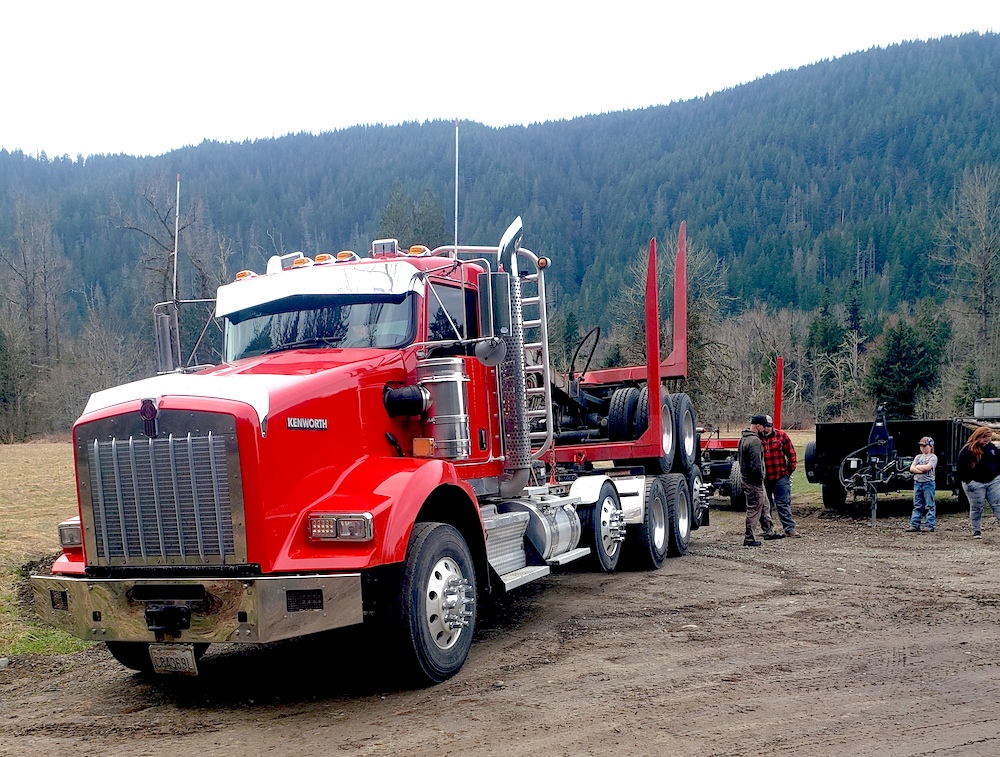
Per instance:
x=323, y=257
x=345, y=255
x=382, y=248
x=418, y=251
x=302, y=262
x=245, y=275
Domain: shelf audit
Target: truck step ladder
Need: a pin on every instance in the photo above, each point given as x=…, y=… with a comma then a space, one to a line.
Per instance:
x=536, y=357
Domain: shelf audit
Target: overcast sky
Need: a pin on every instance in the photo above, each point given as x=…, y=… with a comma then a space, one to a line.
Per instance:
x=144, y=78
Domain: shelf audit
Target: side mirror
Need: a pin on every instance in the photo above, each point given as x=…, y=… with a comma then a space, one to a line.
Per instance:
x=491, y=351
x=494, y=304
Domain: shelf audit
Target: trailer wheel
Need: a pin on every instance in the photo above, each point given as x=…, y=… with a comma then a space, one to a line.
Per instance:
x=621, y=414
x=668, y=430
x=135, y=654
x=737, y=497
x=679, y=510
x=699, y=504
x=810, y=462
x=435, y=608
x=687, y=434
x=650, y=551
x=603, y=528
x=834, y=497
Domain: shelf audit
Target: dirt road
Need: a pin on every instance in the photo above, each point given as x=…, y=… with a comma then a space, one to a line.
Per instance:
x=849, y=641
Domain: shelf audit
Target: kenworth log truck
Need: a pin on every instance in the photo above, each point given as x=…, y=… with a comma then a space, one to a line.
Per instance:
x=383, y=443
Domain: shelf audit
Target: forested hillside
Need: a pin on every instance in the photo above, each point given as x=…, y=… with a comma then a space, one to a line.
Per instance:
x=820, y=200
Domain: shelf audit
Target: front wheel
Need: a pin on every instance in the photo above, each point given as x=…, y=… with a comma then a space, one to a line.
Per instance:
x=603, y=528
x=435, y=608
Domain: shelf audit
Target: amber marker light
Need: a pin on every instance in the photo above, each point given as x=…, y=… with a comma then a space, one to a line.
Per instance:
x=423, y=446
x=419, y=251
x=345, y=255
x=245, y=275
x=301, y=262
x=323, y=257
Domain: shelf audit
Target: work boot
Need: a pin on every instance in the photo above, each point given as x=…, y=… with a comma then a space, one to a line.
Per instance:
x=793, y=534
x=773, y=535
x=754, y=543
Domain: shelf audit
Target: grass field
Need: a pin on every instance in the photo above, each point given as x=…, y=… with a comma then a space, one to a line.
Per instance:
x=802, y=490
x=37, y=490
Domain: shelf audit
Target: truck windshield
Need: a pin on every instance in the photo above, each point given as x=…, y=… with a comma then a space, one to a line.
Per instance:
x=340, y=321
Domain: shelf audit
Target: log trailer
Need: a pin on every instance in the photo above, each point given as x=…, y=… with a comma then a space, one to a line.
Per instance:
x=383, y=443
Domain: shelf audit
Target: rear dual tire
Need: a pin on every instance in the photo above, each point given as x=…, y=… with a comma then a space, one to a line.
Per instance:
x=601, y=524
x=667, y=521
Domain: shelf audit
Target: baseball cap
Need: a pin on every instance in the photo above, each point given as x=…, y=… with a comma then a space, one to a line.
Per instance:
x=927, y=440
x=761, y=420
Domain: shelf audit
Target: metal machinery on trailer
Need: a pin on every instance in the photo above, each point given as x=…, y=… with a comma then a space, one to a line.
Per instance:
x=383, y=443
x=857, y=461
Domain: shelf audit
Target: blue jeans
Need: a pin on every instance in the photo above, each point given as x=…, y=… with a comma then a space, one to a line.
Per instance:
x=923, y=504
x=780, y=493
x=980, y=494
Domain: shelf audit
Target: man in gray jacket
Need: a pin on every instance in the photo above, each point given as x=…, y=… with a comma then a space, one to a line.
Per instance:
x=750, y=455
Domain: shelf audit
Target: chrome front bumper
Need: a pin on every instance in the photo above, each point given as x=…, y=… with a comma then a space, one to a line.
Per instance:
x=254, y=610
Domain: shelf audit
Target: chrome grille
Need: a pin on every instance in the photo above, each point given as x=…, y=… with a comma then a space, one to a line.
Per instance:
x=164, y=500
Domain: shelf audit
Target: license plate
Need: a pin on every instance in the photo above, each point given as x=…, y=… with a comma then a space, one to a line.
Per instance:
x=173, y=658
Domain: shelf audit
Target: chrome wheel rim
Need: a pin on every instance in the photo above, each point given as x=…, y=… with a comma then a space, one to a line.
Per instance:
x=658, y=522
x=610, y=536
x=448, y=604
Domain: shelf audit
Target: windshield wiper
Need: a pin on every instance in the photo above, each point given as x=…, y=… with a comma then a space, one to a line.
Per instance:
x=326, y=341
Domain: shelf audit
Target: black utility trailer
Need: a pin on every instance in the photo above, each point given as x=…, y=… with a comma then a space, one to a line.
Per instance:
x=849, y=456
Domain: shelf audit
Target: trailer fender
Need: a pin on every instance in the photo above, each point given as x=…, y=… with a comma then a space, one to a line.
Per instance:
x=630, y=493
x=588, y=489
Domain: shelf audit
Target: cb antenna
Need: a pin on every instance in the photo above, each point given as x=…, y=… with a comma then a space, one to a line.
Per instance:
x=456, y=188
x=177, y=304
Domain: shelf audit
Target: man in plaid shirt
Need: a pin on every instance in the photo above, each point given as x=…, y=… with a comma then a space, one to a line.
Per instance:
x=779, y=462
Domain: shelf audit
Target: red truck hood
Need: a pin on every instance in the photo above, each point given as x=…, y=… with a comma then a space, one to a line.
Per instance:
x=267, y=383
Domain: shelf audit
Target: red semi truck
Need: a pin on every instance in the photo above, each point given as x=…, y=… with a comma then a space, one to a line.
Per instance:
x=383, y=443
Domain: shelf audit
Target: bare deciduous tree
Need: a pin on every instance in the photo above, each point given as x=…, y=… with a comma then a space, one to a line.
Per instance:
x=969, y=236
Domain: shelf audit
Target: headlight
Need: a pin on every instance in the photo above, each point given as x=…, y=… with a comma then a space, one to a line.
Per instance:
x=340, y=527
x=70, y=533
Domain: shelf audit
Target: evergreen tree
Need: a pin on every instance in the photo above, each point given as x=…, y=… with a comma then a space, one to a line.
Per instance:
x=905, y=365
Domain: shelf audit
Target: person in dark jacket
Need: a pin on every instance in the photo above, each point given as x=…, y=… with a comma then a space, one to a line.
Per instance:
x=750, y=455
x=979, y=472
